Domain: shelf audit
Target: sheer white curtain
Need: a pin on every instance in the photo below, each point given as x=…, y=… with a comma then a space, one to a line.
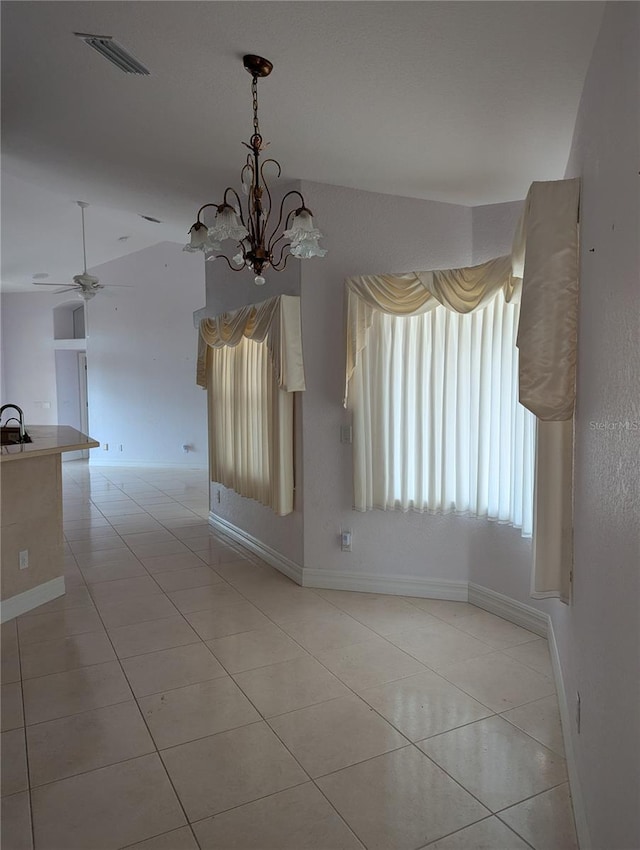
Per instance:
x=437, y=423
x=250, y=425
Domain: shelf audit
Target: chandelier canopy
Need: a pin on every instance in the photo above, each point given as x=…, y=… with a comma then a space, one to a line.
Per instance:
x=261, y=246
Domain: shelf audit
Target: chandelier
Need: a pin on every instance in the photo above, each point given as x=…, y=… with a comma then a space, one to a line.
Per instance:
x=260, y=245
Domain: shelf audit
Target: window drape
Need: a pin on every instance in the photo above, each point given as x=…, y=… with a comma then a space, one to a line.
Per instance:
x=542, y=272
x=547, y=243
x=250, y=425
x=437, y=425
x=250, y=361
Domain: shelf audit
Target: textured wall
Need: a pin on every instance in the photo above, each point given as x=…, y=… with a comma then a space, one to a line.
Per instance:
x=599, y=635
x=492, y=229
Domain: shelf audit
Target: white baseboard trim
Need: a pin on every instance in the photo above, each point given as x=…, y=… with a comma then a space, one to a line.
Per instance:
x=147, y=464
x=503, y=606
x=266, y=553
x=579, y=811
x=429, y=588
x=461, y=591
x=19, y=604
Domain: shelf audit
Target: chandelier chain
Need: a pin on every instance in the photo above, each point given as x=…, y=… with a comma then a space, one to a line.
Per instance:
x=254, y=93
x=255, y=247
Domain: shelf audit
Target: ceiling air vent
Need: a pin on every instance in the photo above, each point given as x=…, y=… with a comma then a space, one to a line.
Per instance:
x=114, y=52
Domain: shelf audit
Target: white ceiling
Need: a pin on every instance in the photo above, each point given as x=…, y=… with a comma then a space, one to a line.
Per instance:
x=466, y=102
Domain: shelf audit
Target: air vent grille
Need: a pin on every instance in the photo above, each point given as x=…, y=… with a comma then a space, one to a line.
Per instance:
x=114, y=52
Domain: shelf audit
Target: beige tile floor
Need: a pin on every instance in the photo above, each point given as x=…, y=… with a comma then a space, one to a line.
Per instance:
x=184, y=695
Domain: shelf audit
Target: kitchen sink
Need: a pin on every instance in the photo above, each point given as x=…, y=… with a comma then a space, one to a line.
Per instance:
x=10, y=436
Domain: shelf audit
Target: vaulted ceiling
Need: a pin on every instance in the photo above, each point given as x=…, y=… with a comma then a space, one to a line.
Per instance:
x=465, y=102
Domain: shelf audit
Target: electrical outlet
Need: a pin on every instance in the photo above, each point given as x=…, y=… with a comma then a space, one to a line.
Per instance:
x=185, y=448
x=106, y=447
x=120, y=446
x=218, y=496
x=24, y=559
x=345, y=540
x=578, y=711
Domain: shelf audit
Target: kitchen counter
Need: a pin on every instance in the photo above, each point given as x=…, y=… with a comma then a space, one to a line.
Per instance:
x=48, y=440
x=32, y=562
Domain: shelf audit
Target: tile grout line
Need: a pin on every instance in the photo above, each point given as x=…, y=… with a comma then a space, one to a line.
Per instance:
x=308, y=654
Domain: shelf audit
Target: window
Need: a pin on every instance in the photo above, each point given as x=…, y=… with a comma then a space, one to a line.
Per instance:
x=437, y=423
x=250, y=425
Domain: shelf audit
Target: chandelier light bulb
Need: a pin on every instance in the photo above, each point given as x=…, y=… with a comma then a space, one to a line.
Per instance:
x=259, y=246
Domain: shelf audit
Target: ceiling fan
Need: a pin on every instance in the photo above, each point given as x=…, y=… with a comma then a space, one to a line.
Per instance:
x=85, y=284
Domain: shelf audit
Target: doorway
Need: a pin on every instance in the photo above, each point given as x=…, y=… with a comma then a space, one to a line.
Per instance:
x=71, y=389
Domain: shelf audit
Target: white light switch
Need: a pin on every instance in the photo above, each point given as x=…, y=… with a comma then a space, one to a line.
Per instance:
x=346, y=434
x=24, y=559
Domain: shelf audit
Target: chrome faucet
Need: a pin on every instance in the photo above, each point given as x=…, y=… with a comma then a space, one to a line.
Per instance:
x=20, y=419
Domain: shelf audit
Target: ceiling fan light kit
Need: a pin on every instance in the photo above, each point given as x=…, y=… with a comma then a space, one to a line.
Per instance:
x=260, y=246
x=85, y=284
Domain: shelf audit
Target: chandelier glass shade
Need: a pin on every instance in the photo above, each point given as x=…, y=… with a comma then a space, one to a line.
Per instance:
x=261, y=244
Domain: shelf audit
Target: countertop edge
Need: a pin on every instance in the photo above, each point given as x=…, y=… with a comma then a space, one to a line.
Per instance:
x=52, y=439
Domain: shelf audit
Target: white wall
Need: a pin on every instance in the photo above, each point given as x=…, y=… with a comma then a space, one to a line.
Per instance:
x=141, y=354
x=28, y=362
x=493, y=227
x=599, y=634
x=367, y=233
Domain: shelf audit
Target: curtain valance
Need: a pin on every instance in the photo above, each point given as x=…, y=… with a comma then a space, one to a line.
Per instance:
x=542, y=271
x=546, y=247
x=276, y=320
x=460, y=290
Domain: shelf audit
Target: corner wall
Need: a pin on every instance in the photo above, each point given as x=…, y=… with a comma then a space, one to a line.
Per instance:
x=141, y=353
x=368, y=233
x=599, y=634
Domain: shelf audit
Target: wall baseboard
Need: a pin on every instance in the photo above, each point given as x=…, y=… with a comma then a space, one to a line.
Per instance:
x=266, y=553
x=460, y=591
x=429, y=588
x=579, y=811
x=515, y=612
x=21, y=603
x=147, y=464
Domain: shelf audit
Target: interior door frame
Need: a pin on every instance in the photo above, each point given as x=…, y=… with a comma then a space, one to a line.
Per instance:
x=84, y=398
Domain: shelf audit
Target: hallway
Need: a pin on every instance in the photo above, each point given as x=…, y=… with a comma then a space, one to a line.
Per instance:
x=185, y=695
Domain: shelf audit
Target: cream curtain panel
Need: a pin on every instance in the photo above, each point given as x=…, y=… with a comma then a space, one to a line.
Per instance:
x=547, y=249
x=542, y=273
x=250, y=361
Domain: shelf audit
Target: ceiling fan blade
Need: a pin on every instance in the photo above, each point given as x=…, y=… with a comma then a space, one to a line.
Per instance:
x=120, y=285
x=37, y=283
